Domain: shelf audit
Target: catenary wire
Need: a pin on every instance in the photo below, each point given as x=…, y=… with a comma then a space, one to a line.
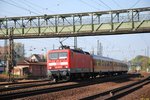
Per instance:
x=29, y=5
x=89, y=4
x=105, y=4
x=117, y=3
x=19, y=7
x=38, y=6
x=135, y=3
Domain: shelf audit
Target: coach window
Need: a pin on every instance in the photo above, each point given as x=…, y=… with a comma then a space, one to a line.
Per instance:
x=111, y=64
x=96, y=62
x=100, y=62
x=108, y=63
x=103, y=64
x=115, y=64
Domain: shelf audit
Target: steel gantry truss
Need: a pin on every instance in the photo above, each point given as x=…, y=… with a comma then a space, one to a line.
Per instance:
x=77, y=24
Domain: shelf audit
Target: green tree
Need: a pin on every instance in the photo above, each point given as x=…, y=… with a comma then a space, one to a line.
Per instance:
x=19, y=51
x=142, y=61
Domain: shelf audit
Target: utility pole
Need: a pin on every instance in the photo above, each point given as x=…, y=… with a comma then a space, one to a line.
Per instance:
x=148, y=51
x=92, y=52
x=5, y=55
x=11, y=54
x=53, y=46
x=99, y=48
x=147, y=69
x=75, y=42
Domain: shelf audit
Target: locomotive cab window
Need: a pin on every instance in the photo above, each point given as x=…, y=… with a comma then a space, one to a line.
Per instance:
x=53, y=55
x=62, y=55
x=58, y=55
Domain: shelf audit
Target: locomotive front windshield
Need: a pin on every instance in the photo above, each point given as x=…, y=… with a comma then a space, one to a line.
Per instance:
x=58, y=55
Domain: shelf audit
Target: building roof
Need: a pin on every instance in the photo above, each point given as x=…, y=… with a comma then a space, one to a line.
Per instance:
x=36, y=58
x=26, y=62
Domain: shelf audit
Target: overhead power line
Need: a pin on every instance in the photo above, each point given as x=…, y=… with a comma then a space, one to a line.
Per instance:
x=19, y=7
x=135, y=3
x=38, y=6
x=29, y=5
x=89, y=5
x=117, y=3
x=100, y=4
x=105, y=4
x=34, y=4
x=97, y=3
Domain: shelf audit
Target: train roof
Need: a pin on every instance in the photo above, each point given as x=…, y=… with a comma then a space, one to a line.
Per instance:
x=80, y=51
x=106, y=58
x=74, y=50
x=93, y=56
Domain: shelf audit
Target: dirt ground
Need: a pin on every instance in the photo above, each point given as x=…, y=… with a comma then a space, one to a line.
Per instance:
x=141, y=94
x=79, y=93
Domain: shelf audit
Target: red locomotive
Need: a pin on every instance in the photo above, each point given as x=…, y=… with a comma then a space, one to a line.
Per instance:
x=71, y=64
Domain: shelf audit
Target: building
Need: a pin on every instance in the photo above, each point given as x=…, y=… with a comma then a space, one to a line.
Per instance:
x=31, y=69
x=2, y=59
x=34, y=67
x=37, y=58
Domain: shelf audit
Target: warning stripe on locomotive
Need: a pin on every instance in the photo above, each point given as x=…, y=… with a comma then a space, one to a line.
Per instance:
x=59, y=63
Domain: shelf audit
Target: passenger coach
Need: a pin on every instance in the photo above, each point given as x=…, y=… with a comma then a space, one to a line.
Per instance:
x=108, y=66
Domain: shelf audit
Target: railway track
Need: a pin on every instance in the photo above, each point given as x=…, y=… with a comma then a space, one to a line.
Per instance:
x=25, y=92
x=22, y=85
x=14, y=83
x=117, y=93
x=11, y=87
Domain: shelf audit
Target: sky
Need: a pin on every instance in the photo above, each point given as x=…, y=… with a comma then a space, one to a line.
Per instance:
x=122, y=47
